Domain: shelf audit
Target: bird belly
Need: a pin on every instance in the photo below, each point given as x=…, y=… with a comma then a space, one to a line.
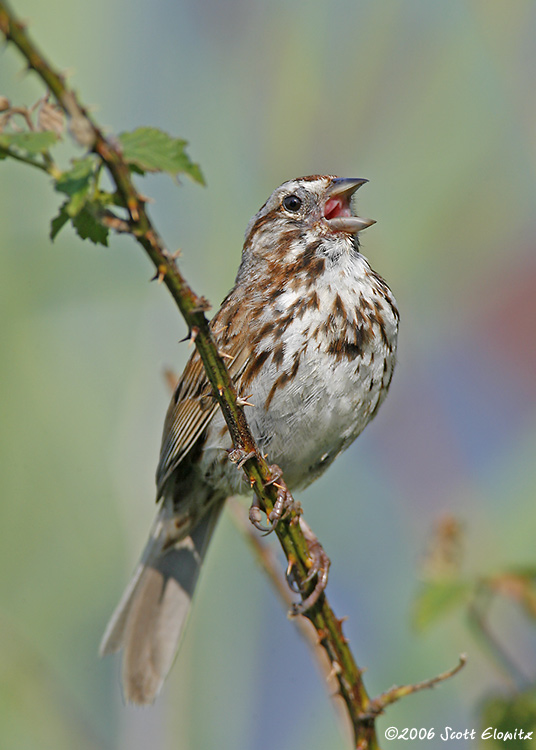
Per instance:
x=312, y=418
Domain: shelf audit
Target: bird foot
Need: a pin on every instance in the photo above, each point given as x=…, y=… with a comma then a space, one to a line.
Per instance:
x=255, y=515
x=238, y=456
x=320, y=563
x=285, y=503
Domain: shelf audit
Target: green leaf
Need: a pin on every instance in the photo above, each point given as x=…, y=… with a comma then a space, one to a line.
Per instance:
x=437, y=599
x=58, y=222
x=76, y=183
x=85, y=224
x=33, y=143
x=88, y=228
x=152, y=150
x=503, y=715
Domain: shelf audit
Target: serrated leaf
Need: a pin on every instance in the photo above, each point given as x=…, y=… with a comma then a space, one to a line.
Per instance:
x=78, y=177
x=436, y=599
x=32, y=143
x=88, y=228
x=152, y=150
x=58, y=222
x=76, y=183
x=503, y=715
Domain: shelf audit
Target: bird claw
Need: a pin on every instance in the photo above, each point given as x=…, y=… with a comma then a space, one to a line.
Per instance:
x=255, y=518
x=292, y=581
x=275, y=474
x=284, y=503
x=239, y=457
x=320, y=563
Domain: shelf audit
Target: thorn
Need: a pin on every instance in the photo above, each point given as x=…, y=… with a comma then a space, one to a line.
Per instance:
x=244, y=402
x=171, y=256
x=160, y=273
x=322, y=635
x=335, y=670
x=145, y=198
x=220, y=390
x=340, y=624
x=133, y=208
x=224, y=355
x=252, y=481
x=193, y=335
x=201, y=305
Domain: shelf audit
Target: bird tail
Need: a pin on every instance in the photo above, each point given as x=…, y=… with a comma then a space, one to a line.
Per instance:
x=149, y=620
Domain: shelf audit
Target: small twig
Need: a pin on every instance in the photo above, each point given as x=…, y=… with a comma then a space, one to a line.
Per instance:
x=377, y=705
x=24, y=113
x=25, y=159
x=110, y=220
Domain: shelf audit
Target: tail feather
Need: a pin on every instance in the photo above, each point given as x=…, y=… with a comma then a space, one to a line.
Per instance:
x=150, y=618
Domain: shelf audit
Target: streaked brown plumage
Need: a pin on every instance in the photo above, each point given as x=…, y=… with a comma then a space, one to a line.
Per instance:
x=311, y=333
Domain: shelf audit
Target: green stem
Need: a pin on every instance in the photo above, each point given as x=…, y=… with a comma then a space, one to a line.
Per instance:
x=8, y=152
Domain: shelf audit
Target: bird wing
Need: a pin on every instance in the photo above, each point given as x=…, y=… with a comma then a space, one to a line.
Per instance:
x=191, y=409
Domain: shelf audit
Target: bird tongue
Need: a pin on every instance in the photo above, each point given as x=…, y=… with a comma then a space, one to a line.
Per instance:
x=336, y=207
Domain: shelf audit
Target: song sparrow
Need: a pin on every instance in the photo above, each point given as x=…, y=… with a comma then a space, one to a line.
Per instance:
x=312, y=333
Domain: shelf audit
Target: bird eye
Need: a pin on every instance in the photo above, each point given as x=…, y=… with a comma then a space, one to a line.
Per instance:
x=292, y=203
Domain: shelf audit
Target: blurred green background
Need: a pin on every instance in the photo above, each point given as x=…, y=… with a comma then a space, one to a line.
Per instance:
x=433, y=103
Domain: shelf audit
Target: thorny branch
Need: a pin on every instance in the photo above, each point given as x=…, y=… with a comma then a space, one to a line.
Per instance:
x=88, y=134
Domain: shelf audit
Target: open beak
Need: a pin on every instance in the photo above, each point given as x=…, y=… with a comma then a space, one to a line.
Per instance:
x=337, y=209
